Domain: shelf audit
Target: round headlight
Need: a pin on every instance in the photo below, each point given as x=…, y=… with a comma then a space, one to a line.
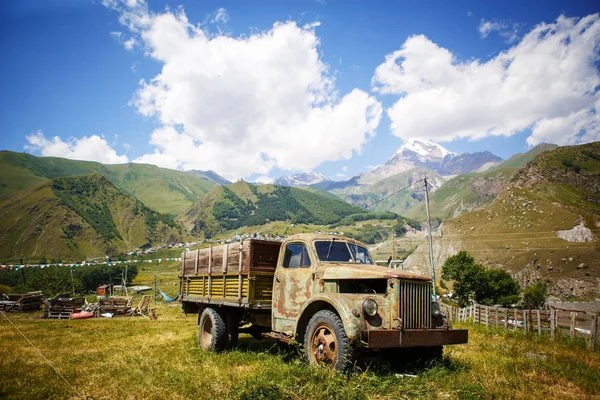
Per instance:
x=435, y=309
x=370, y=307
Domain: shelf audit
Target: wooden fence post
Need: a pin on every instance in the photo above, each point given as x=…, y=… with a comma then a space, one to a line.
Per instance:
x=572, y=327
x=525, y=321
x=539, y=322
x=593, y=332
x=552, y=323
x=496, y=317
x=506, y=318
x=515, y=321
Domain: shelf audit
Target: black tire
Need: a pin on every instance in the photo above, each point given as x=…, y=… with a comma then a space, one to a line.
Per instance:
x=232, y=323
x=326, y=342
x=212, y=331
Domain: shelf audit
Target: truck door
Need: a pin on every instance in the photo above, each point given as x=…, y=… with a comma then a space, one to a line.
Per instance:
x=292, y=286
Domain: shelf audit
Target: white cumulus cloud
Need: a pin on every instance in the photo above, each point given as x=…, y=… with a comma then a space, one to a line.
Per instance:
x=243, y=105
x=92, y=148
x=547, y=83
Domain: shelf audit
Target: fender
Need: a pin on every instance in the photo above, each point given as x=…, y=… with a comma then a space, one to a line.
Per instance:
x=343, y=305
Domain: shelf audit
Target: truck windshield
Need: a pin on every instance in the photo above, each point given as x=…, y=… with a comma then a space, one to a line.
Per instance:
x=361, y=255
x=340, y=251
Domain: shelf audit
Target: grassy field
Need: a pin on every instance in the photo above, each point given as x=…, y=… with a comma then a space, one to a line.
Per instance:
x=135, y=358
x=138, y=358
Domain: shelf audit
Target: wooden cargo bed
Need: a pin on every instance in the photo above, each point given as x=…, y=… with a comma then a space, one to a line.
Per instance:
x=238, y=274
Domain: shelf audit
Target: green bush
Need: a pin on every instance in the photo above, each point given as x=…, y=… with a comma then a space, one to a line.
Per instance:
x=535, y=296
x=488, y=287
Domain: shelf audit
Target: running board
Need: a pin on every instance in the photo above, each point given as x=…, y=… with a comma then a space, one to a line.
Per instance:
x=278, y=336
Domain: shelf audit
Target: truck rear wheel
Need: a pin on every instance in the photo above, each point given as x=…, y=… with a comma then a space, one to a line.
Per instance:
x=325, y=341
x=212, y=331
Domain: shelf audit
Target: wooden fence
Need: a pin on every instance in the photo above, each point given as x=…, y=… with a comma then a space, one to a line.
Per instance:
x=557, y=322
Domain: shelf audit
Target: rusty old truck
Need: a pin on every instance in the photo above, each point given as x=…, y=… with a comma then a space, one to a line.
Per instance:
x=321, y=291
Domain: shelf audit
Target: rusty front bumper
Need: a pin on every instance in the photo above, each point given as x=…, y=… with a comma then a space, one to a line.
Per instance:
x=388, y=338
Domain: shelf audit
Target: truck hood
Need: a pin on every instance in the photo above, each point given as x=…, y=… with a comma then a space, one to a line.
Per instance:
x=362, y=271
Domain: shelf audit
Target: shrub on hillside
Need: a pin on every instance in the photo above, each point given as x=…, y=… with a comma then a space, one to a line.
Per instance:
x=488, y=287
x=535, y=296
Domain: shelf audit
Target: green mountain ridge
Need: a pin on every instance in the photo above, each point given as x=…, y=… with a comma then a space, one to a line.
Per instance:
x=78, y=217
x=164, y=190
x=243, y=204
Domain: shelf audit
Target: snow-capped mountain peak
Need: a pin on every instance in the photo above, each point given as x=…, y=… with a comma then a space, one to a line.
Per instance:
x=424, y=150
x=302, y=179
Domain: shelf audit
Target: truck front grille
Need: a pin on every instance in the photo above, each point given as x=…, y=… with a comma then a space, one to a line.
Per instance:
x=415, y=304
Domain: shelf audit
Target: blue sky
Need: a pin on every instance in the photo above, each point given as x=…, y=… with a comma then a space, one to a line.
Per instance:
x=72, y=69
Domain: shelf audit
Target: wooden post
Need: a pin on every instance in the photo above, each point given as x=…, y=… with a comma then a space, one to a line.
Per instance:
x=506, y=318
x=182, y=273
x=516, y=325
x=240, y=272
x=539, y=322
x=225, y=262
x=210, y=257
x=572, y=327
x=225, y=255
x=593, y=332
x=154, y=289
x=487, y=316
x=552, y=323
x=526, y=321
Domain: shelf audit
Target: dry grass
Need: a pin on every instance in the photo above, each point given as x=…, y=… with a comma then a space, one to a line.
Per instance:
x=135, y=358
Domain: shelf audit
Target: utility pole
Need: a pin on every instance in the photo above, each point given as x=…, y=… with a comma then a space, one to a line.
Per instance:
x=72, y=281
x=430, y=238
x=125, y=280
x=393, y=247
x=154, y=289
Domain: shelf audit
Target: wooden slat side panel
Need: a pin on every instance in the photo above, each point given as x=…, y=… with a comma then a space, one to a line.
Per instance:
x=264, y=255
x=197, y=286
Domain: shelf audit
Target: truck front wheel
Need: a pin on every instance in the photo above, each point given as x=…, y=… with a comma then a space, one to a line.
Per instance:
x=326, y=342
x=212, y=331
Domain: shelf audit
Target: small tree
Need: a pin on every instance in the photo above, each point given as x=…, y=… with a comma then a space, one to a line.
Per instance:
x=535, y=295
x=498, y=287
x=466, y=274
x=488, y=287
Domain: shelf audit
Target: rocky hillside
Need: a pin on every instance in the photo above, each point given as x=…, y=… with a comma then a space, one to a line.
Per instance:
x=245, y=204
x=161, y=189
x=544, y=227
x=77, y=217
